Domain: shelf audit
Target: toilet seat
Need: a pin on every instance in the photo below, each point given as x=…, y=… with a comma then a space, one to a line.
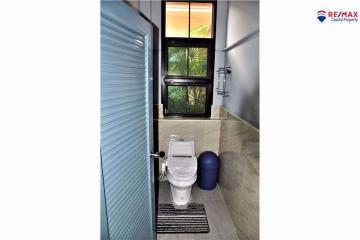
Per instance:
x=182, y=167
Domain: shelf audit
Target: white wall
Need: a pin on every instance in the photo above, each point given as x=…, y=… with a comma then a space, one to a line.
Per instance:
x=243, y=57
x=220, y=44
x=151, y=10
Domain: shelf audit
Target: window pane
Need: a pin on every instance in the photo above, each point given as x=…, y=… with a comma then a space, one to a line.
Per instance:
x=196, y=99
x=177, y=99
x=177, y=61
x=198, y=62
x=177, y=19
x=186, y=99
x=201, y=20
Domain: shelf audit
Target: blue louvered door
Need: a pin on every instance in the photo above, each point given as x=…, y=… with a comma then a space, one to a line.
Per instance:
x=126, y=124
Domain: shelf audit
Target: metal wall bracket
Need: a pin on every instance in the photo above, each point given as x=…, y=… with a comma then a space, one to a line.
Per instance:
x=222, y=73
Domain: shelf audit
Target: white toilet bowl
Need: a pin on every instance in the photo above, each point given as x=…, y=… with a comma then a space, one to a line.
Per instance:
x=181, y=173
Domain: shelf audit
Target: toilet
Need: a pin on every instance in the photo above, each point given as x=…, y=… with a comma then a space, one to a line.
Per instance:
x=181, y=171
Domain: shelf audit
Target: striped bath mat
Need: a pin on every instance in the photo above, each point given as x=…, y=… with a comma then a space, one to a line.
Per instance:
x=190, y=220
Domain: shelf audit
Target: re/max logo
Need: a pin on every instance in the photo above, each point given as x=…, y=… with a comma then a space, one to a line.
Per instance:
x=347, y=14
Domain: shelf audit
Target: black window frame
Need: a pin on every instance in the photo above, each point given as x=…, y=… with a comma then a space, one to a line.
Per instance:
x=172, y=80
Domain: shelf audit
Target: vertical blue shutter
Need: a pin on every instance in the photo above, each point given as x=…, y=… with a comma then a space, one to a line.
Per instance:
x=125, y=129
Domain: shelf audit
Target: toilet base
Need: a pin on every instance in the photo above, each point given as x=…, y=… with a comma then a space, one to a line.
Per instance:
x=180, y=197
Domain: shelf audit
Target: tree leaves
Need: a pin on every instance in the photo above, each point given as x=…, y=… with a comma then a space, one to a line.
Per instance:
x=198, y=62
x=202, y=31
x=183, y=61
x=177, y=61
x=186, y=99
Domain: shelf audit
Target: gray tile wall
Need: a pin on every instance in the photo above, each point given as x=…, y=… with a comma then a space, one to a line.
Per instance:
x=206, y=133
x=239, y=174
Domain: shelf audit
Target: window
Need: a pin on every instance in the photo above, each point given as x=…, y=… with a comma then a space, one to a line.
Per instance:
x=179, y=14
x=188, y=57
x=186, y=99
x=177, y=19
x=201, y=20
x=183, y=61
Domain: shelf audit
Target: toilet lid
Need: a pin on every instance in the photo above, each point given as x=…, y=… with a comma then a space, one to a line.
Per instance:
x=182, y=166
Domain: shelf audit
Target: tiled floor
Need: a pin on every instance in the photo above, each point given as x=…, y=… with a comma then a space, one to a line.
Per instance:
x=219, y=219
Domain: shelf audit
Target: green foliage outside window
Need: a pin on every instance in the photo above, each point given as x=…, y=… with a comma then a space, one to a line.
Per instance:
x=177, y=99
x=186, y=99
x=180, y=57
x=177, y=61
x=202, y=31
x=197, y=62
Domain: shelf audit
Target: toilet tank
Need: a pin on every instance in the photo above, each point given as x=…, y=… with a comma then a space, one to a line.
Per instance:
x=181, y=148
